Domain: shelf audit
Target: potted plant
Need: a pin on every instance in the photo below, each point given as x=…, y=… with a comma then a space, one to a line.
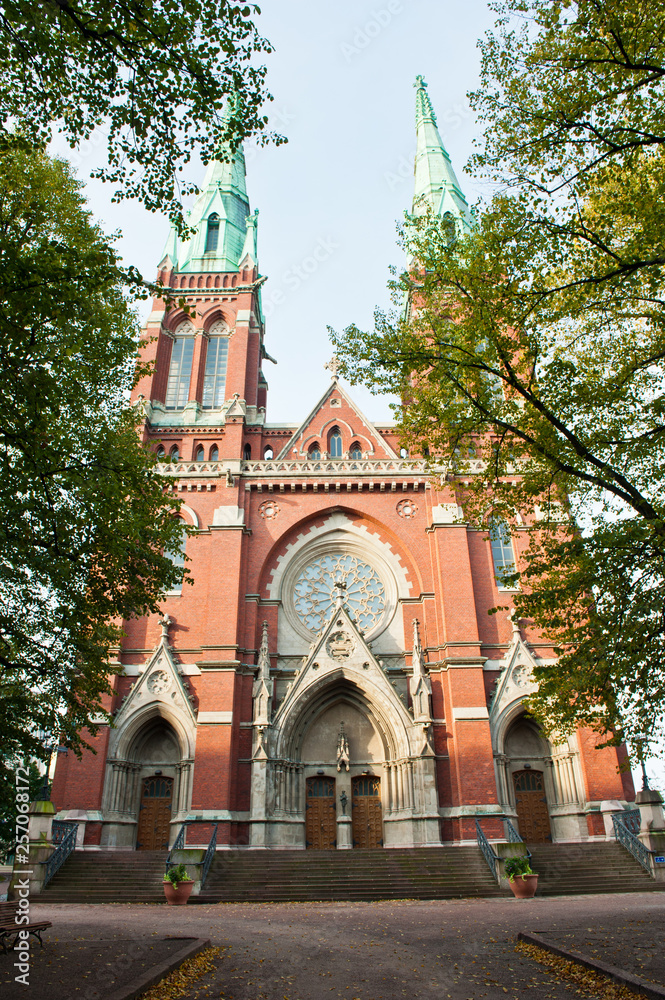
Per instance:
x=177, y=885
x=523, y=881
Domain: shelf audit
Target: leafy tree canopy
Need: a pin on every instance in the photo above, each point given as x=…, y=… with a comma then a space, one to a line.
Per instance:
x=530, y=357
x=84, y=518
x=161, y=79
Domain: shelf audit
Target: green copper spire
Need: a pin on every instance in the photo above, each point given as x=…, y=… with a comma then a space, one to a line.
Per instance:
x=219, y=216
x=436, y=185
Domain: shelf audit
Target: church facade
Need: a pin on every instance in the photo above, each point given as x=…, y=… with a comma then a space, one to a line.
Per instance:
x=332, y=677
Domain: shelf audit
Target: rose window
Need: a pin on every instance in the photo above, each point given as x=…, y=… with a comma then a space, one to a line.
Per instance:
x=318, y=585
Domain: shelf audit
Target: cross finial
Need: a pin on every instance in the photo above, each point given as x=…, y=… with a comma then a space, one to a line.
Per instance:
x=333, y=366
x=420, y=81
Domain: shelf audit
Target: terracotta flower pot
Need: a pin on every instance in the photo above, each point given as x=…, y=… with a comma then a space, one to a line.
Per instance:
x=524, y=886
x=177, y=895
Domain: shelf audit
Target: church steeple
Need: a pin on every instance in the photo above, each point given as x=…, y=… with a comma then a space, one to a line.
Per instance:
x=220, y=217
x=436, y=185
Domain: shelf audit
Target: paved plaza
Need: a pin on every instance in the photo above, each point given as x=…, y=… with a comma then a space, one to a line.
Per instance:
x=360, y=951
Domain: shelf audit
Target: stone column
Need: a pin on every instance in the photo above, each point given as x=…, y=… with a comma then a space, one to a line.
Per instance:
x=652, y=828
x=29, y=872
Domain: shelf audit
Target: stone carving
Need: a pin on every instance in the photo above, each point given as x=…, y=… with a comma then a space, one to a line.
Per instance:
x=340, y=645
x=268, y=510
x=158, y=682
x=262, y=692
x=522, y=676
x=343, y=753
x=420, y=685
x=406, y=508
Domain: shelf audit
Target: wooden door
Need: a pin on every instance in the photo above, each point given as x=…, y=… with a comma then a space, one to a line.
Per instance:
x=533, y=816
x=366, y=811
x=155, y=814
x=320, y=814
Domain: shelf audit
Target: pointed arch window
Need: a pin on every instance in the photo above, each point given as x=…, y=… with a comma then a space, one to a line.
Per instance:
x=503, y=555
x=267, y=453
x=180, y=369
x=247, y=453
x=199, y=456
x=212, y=233
x=214, y=453
x=335, y=443
x=356, y=451
x=314, y=452
x=174, y=454
x=214, y=379
x=177, y=555
x=161, y=454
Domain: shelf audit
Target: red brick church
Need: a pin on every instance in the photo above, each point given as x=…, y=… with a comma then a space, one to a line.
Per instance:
x=332, y=678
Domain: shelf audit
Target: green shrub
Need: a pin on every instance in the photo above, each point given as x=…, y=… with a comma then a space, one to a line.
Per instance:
x=518, y=866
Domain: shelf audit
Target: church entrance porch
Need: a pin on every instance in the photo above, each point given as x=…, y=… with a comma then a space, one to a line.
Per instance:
x=366, y=812
x=320, y=814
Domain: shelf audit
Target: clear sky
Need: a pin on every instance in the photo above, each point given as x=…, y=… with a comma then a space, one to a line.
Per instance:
x=342, y=78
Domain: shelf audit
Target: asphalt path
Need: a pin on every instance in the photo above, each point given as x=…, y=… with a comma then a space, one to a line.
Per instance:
x=458, y=949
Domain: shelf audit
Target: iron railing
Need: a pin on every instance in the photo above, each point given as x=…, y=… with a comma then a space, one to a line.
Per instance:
x=61, y=853
x=208, y=856
x=60, y=829
x=632, y=819
x=514, y=837
x=178, y=845
x=632, y=843
x=490, y=857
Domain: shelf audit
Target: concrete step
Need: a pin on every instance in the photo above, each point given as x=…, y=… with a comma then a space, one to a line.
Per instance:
x=301, y=876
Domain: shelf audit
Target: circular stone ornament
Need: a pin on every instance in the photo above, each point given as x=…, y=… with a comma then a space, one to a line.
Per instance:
x=321, y=581
x=158, y=682
x=406, y=508
x=269, y=510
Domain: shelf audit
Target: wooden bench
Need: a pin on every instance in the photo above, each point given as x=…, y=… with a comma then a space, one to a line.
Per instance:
x=10, y=930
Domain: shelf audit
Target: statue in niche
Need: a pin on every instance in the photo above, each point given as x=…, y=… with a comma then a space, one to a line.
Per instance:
x=343, y=753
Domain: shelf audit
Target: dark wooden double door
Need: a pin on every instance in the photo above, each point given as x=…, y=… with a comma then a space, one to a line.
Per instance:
x=155, y=814
x=321, y=813
x=533, y=816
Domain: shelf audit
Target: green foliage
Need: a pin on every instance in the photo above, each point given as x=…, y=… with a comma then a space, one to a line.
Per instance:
x=530, y=361
x=84, y=517
x=177, y=874
x=517, y=866
x=160, y=80
x=8, y=810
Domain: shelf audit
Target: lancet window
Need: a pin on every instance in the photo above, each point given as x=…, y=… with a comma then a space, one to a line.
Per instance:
x=214, y=379
x=502, y=551
x=180, y=370
x=212, y=233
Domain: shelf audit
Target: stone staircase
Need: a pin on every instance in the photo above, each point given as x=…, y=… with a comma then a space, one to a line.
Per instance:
x=108, y=877
x=572, y=869
x=301, y=876
x=304, y=876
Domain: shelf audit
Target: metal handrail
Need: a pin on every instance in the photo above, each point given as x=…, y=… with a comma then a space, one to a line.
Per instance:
x=60, y=854
x=514, y=837
x=632, y=819
x=209, y=855
x=490, y=857
x=60, y=829
x=632, y=843
x=178, y=845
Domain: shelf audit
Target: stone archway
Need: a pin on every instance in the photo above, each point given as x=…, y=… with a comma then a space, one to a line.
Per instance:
x=342, y=681
x=148, y=785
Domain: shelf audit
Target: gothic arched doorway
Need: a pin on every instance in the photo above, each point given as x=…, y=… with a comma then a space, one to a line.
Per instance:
x=533, y=815
x=155, y=814
x=366, y=812
x=320, y=814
